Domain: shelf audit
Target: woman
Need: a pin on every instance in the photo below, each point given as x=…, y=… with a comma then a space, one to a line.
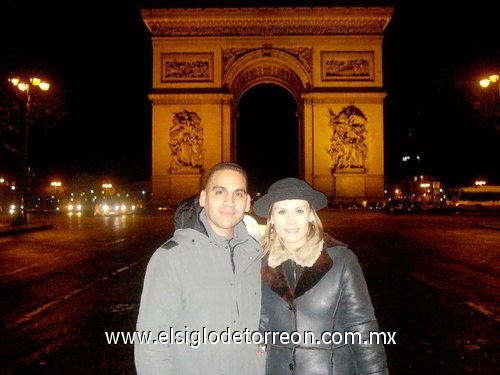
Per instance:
x=312, y=283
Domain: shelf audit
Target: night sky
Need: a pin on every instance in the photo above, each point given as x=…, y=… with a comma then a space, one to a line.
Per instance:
x=98, y=58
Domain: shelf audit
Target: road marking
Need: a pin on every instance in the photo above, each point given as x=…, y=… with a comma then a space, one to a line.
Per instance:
x=18, y=270
x=115, y=242
x=483, y=310
x=25, y=318
x=124, y=268
x=424, y=280
x=477, y=307
x=120, y=307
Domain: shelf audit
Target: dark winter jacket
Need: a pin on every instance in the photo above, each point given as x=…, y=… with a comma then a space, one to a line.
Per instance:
x=331, y=296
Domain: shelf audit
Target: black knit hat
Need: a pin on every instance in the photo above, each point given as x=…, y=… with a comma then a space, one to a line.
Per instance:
x=289, y=188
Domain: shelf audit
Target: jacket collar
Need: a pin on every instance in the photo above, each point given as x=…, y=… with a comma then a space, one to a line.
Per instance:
x=276, y=279
x=305, y=257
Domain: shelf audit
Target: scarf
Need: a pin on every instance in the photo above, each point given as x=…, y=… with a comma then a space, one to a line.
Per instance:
x=305, y=256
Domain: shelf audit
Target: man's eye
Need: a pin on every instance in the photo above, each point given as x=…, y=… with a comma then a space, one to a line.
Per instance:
x=218, y=192
x=240, y=195
x=281, y=212
x=300, y=211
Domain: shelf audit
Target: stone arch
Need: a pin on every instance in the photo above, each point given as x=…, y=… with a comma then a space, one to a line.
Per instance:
x=205, y=59
x=268, y=116
x=267, y=65
x=289, y=69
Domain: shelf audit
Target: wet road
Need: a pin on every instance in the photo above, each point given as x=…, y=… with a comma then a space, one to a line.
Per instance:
x=434, y=280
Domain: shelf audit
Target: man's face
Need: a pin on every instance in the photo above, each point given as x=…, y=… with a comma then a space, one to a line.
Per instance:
x=225, y=200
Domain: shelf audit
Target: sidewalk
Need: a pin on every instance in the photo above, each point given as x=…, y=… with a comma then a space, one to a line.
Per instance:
x=7, y=229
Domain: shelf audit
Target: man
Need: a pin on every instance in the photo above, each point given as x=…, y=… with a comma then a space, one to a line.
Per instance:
x=204, y=283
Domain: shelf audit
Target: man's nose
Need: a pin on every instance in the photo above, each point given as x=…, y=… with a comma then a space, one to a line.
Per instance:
x=229, y=200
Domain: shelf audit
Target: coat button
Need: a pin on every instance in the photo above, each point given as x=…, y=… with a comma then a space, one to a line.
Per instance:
x=290, y=366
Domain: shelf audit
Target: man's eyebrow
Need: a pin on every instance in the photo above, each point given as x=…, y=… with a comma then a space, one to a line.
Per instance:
x=215, y=187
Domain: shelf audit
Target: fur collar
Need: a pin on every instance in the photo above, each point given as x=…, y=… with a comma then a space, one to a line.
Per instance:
x=305, y=256
x=276, y=279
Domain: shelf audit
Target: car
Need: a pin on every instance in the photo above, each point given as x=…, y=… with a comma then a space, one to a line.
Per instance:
x=76, y=206
x=12, y=208
x=114, y=207
x=396, y=205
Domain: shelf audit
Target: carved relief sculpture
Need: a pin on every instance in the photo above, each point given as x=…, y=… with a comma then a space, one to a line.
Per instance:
x=348, y=149
x=230, y=55
x=191, y=67
x=186, y=141
x=347, y=66
x=304, y=55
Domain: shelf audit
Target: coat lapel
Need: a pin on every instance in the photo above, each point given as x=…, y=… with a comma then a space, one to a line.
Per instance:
x=276, y=280
x=310, y=276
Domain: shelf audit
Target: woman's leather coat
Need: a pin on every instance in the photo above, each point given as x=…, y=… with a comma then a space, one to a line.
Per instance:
x=331, y=296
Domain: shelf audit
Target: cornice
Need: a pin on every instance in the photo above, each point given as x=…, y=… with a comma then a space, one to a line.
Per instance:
x=267, y=21
x=353, y=97
x=194, y=98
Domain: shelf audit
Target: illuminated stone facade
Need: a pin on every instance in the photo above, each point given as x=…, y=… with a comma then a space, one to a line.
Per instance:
x=329, y=59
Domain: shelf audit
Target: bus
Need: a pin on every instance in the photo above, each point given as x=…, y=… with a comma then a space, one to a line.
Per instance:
x=479, y=197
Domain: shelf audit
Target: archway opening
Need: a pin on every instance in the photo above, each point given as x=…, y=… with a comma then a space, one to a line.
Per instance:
x=267, y=135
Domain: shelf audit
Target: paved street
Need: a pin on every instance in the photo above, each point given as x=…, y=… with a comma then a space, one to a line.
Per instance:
x=434, y=280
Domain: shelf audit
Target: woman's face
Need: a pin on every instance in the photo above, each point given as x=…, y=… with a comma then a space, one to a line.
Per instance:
x=291, y=221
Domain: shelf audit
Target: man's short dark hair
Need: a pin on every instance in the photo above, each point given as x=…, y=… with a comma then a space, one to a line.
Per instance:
x=226, y=165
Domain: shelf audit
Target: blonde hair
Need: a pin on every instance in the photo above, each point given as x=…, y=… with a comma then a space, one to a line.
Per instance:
x=271, y=240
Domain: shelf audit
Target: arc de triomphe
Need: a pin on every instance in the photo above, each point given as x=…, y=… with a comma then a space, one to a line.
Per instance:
x=329, y=59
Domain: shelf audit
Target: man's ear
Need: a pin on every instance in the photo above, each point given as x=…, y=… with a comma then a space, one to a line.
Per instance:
x=249, y=203
x=203, y=195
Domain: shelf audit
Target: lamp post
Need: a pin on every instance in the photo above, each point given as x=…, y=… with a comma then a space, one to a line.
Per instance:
x=486, y=82
x=25, y=86
x=55, y=185
x=108, y=190
x=490, y=108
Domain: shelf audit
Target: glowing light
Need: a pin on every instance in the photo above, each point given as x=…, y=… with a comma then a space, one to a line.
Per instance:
x=485, y=82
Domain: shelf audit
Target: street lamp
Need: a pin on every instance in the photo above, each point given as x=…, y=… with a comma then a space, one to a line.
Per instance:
x=108, y=189
x=485, y=82
x=55, y=185
x=25, y=86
